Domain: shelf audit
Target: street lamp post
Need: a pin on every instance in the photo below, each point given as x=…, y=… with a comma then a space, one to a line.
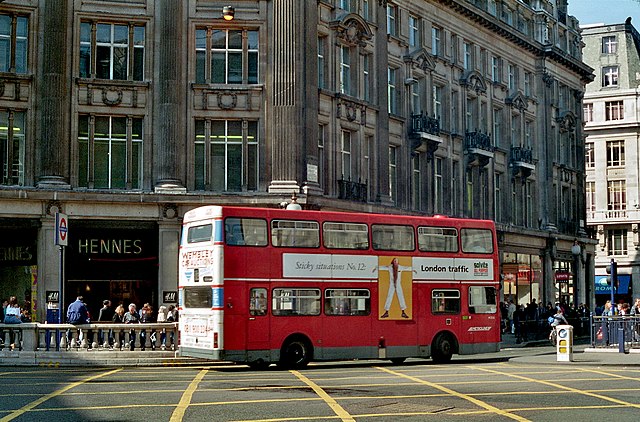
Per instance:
x=576, y=251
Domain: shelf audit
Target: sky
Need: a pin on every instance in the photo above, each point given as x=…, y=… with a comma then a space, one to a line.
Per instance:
x=605, y=11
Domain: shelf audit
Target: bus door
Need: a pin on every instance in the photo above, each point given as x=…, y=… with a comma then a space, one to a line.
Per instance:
x=258, y=327
x=480, y=319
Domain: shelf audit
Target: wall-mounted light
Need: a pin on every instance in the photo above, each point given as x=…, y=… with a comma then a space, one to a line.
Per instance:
x=228, y=12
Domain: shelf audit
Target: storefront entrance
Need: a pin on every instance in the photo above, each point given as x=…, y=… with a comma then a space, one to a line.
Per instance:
x=112, y=260
x=18, y=262
x=119, y=292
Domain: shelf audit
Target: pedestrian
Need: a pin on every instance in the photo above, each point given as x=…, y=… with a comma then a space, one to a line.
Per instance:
x=147, y=317
x=161, y=318
x=5, y=302
x=118, y=318
x=105, y=315
x=511, y=310
x=12, y=316
x=77, y=314
x=132, y=317
x=172, y=316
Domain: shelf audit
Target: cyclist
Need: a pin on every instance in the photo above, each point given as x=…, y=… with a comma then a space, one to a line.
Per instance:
x=556, y=320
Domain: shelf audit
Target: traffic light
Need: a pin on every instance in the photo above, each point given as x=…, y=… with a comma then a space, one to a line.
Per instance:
x=612, y=270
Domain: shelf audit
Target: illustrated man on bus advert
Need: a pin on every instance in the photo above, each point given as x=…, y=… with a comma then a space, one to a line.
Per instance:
x=394, y=286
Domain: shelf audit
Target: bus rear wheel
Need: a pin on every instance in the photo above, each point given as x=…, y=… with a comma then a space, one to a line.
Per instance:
x=442, y=349
x=295, y=354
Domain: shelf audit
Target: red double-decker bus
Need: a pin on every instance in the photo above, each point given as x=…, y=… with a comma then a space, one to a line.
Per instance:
x=262, y=286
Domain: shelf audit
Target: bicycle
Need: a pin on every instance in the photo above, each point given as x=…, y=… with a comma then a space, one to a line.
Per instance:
x=553, y=336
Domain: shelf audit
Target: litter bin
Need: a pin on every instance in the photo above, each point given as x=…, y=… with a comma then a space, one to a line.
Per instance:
x=53, y=315
x=565, y=343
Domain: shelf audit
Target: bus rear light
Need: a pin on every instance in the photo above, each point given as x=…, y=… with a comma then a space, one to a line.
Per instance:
x=215, y=340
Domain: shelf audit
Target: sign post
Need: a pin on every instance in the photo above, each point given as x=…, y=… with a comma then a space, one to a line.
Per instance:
x=61, y=236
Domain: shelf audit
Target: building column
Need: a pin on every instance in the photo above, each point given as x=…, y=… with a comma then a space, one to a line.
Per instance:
x=286, y=132
x=53, y=118
x=168, y=255
x=381, y=160
x=169, y=93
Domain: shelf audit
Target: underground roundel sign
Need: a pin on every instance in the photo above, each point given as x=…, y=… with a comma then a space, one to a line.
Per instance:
x=62, y=229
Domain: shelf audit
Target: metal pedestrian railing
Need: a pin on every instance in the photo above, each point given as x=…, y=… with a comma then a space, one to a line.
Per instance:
x=620, y=332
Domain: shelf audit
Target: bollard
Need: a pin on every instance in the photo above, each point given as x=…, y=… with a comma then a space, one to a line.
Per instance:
x=621, y=339
x=564, y=345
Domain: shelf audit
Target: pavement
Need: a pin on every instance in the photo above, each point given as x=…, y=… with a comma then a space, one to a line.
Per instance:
x=540, y=353
x=581, y=354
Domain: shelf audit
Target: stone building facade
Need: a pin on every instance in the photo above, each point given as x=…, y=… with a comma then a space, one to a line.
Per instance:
x=613, y=129
x=124, y=114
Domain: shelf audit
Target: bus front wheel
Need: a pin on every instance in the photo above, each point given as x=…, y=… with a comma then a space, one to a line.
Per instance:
x=295, y=354
x=442, y=349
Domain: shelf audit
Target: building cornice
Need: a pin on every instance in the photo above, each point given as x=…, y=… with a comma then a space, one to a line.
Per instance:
x=527, y=43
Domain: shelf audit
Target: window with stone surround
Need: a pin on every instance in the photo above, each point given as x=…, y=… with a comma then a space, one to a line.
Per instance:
x=226, y=56
x=226, y=155
x=14, y=43
x=112, y=51
x=12, y=147
x=110, y=151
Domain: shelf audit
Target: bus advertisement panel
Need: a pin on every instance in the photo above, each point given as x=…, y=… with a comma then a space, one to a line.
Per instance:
x=263, y=286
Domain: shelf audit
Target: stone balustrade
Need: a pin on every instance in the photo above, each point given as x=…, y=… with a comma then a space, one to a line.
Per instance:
x=88, y=337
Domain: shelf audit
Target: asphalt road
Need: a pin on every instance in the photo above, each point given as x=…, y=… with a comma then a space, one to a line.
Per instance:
x=495, y=387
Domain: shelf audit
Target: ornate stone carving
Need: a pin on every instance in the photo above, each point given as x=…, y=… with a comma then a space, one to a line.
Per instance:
x=421, y=59
x=227, y=100
x=474, y=80
x=170, y=211
x=53, y=207
x=109, y=99
x=518, y=101
x=352, y=30
x=349, y=110
x=567, y=121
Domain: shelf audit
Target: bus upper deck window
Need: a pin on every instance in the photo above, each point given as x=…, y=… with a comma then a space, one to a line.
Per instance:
x=245, y=231
x=295, y=233
x=389, y=237
x=437, y=239
x=345, y=235
x=477, y=240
